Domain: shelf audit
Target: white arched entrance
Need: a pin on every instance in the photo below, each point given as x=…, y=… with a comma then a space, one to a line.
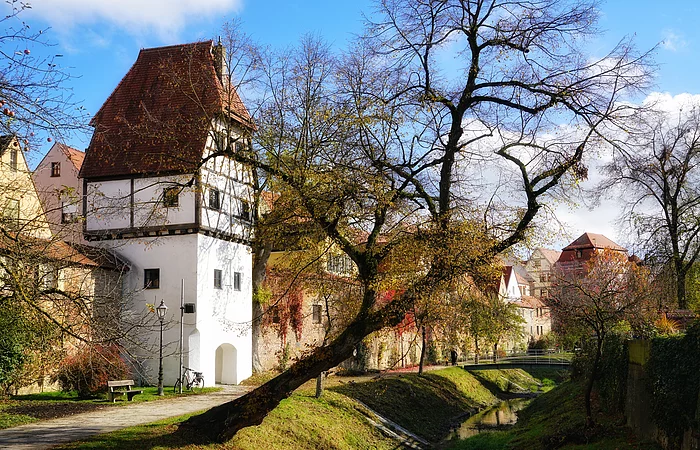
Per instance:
x=226, y=371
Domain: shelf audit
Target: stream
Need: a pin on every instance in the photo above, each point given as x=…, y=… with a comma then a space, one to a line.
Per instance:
x=501, y=414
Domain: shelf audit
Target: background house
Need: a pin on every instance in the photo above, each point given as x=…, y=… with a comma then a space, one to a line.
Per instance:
x=60, y=191
x=540, y=266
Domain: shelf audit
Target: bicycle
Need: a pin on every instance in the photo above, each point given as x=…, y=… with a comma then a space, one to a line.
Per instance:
x=192, y=380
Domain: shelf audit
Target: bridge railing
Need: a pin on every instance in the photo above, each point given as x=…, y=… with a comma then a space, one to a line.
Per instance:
x=533, y=356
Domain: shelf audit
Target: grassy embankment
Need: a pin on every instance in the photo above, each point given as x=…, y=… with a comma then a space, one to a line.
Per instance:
x=555, y=420
x=426, y=405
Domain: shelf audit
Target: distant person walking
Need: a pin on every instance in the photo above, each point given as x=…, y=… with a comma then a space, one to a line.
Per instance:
x=453, y=357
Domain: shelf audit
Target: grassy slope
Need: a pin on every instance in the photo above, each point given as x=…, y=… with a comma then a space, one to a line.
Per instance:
x=555, y=420
x=429, y=404
x=300, y=422
x=426, y=404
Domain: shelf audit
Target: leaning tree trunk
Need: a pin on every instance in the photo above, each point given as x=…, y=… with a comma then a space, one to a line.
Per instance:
x=222, y=422
x=260, y=256
x=422, y=351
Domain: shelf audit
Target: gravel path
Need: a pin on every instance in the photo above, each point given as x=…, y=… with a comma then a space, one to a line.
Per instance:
x=46, y=434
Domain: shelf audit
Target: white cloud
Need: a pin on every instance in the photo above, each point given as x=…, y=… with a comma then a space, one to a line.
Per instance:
x=672, y=41
x=165, y=18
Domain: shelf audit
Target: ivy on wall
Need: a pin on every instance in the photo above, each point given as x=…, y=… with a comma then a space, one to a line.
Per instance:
x=674, y=374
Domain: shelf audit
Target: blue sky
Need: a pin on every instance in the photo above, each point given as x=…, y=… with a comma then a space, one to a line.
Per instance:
x=100, y=40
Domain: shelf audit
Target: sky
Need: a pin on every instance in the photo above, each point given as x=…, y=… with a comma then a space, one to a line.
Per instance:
x=99, y=40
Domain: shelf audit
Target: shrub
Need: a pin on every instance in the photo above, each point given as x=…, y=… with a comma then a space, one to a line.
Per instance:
x=88, y=369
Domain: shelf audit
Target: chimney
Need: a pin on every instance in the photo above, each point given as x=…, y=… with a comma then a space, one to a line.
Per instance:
x=219, y=53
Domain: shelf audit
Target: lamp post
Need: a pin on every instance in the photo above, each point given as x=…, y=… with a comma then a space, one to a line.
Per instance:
x=161, y=310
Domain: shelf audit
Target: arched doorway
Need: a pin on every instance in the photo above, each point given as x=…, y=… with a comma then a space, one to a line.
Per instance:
x=226, y=371
x=193, y=351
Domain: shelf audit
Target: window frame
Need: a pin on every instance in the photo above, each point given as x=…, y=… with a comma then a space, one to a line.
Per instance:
x=237, y=281
x=148, y=278
x=55, y=169
x=218, y=279
x=171, y=197
x=215, y=199
x=14, y=159
x=316, y=314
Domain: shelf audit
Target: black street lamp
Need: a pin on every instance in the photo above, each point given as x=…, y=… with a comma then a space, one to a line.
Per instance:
x=161, y=310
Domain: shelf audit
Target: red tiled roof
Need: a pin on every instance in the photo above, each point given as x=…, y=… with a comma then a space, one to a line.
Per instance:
x=158, y=117
x=592, y=240
x=506, y=273
x=74, y=155
x=529, y=302
x=550, y=255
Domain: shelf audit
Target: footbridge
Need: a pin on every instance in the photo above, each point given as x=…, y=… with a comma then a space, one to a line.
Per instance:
x=559, y=361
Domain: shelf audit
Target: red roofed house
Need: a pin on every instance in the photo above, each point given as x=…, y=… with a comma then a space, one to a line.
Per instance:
x=60, y=191
x=157, y=195
x=575, y=255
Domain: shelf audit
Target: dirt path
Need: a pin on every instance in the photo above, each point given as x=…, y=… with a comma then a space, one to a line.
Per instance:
x=49, y=433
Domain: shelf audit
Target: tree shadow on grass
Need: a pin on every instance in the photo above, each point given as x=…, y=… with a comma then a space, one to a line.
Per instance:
x=427, y=405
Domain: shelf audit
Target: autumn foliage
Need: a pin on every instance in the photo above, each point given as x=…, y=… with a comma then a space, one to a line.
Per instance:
x=89, y=368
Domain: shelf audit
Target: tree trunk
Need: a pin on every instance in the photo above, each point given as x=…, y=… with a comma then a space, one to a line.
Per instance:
x=680, y=288
x=476, y=351
x=222, y=422
x=260, y=256
x=319, y=385
x=590, y=423
x=495, y=352
x=422, y=351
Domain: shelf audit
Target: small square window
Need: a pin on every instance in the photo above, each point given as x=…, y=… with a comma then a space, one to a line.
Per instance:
x=13, y=159
x=316, y=313
x=68, y=213
x=245, y=210
x=55, y=169
x=151, y=279
x=215, y=199
x=236, y=281
x=171, y=197
x=218, y=275
x=11, y=210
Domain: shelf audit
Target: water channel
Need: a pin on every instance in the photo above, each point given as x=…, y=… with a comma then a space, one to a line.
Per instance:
x=503, y=414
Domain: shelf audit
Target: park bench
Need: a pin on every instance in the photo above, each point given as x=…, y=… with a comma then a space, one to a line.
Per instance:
x=121, y=387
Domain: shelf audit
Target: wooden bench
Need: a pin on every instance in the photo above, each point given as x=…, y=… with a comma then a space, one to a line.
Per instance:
x=121, y=387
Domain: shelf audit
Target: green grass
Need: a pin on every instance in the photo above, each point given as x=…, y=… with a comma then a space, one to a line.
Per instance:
x=556, y=420
x=299, y=422
x=427, y=404
x=48, y=405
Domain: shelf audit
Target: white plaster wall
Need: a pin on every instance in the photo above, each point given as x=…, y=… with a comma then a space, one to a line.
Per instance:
x=148, y=206
x=108, y=205
x=176, y=257
x=224, y=315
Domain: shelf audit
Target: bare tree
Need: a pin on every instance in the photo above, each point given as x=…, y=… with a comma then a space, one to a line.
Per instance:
x=656, y=170
x=33, y=93
x=371, y=146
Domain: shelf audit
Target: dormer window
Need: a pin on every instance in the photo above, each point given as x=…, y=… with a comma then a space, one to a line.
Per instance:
x=55, y=169
x=215, y=199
